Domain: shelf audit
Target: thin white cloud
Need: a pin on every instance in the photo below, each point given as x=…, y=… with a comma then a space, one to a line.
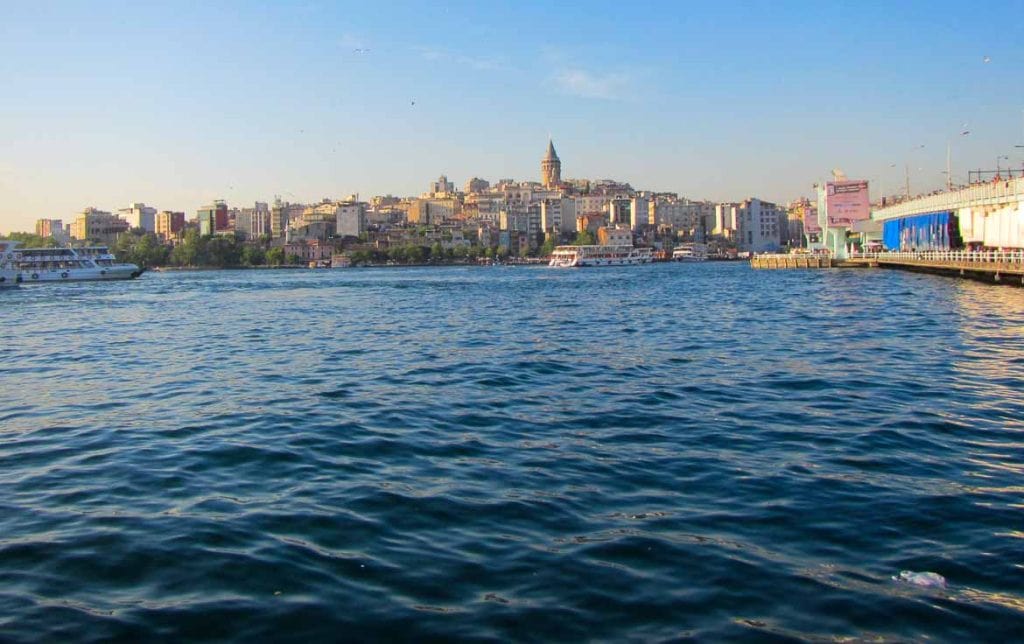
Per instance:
x=586, y=84
x=352, y=42
x=479, y=63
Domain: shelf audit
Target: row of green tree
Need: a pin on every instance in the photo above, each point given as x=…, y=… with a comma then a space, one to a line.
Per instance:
x=221, y=251
x=146, y=250
x=31, y=240
x=435, y=253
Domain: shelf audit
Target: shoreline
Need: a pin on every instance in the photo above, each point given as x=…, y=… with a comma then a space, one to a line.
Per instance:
x=172, y=269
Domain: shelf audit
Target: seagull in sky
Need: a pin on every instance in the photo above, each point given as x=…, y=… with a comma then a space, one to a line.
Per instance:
x=987, y=59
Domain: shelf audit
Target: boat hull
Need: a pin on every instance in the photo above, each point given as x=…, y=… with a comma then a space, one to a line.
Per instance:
x=582, y=263
x=116, y=272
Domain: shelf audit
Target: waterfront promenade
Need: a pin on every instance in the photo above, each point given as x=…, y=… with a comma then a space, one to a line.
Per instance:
x=987, y=266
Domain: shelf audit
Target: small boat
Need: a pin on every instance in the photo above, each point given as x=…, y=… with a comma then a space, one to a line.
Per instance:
x=91, y=263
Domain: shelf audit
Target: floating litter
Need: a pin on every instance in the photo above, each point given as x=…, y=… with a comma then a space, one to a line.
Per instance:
x=922, y=579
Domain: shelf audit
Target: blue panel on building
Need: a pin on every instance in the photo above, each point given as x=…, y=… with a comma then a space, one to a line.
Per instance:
x=932, y=231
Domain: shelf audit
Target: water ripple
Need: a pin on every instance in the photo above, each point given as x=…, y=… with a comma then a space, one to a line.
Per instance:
x=659, y=453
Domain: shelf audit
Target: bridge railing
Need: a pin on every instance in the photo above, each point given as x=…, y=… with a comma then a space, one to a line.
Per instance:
x=1007, y=191
x=948, y=256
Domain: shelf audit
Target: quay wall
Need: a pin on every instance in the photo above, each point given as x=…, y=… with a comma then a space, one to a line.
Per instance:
x=790, y=261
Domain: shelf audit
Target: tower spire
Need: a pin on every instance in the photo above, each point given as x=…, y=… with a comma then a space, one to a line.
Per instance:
x=550, y=167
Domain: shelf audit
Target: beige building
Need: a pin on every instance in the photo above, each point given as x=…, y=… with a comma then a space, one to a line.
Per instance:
x=432, y=211
x=169, y=225
x=98, y=226
x=617, y=236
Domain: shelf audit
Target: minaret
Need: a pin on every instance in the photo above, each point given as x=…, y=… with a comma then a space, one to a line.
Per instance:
x=550, y=168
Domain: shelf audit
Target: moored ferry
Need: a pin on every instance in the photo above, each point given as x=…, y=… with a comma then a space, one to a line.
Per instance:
x=579, y=256
x=30, y=265
x=690, y=253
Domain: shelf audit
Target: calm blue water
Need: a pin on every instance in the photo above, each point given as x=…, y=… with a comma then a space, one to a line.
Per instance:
x=661, y=452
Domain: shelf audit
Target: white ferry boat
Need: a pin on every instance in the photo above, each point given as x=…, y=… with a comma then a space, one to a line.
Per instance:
x=578, y=256
x=8, y=276
x=690, y=253
x=30, y=265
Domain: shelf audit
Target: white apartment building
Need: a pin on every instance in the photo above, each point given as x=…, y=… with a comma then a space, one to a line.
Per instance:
x=351, y=218
x=619, y=212
x=139, y=215
x=441, y=188
x=758, y=229
x=685, y=216
x=640, y=212
x=726, y=216
x=591, y=205
x=253, y=222
x=558, y=215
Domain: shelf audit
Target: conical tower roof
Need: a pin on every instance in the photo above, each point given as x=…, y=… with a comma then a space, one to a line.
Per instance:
x=551, y=155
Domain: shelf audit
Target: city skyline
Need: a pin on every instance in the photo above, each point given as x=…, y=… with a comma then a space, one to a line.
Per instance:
x=108, y=105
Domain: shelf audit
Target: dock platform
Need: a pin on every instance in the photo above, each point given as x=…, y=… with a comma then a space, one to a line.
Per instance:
x=772, y=261
x=994, y=267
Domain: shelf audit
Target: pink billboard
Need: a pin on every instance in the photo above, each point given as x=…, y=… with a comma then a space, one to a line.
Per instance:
x=811, y=225
x=847, y=202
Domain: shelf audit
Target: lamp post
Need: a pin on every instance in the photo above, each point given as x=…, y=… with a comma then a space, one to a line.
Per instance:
x=907, y=169
x=949, y=158
x=999, y=172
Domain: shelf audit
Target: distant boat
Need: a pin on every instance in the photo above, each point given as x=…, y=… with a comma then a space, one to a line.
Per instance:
x=92, y=263
x=580, y=256
x=690, y=253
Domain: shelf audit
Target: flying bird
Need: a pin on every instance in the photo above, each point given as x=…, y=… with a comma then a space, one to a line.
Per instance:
x=965, y=133
x=987, y=59
x=361, y=50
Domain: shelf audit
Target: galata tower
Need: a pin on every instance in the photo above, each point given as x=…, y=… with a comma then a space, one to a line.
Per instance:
x=551, y=168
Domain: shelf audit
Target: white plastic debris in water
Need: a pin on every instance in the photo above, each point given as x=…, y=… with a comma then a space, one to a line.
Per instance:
x=922, y=579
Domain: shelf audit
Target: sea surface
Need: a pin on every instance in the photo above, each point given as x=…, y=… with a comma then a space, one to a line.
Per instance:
x=667, y=452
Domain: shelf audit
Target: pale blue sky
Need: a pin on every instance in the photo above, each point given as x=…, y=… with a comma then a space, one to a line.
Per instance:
x=175, y=104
